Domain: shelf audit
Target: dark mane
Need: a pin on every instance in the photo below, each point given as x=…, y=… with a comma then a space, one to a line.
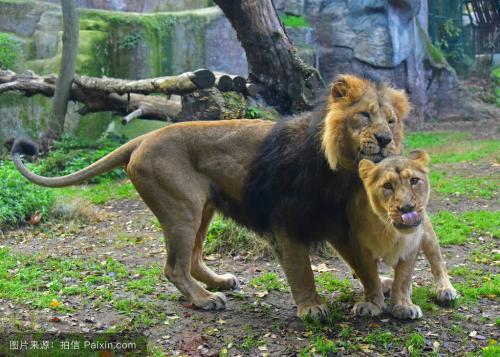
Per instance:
x=290, y=185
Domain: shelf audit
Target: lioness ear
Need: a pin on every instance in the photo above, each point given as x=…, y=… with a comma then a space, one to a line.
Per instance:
x=365, y=167
x=400, y=102
x=348, y=88
x=420, y=156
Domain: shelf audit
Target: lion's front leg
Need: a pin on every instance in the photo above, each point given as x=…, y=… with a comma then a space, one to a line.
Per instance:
x=294, y=258
x=402, y=306
x=444, y=290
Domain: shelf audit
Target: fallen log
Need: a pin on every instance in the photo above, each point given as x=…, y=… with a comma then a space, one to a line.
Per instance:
x=94, y=99
x=180, y=84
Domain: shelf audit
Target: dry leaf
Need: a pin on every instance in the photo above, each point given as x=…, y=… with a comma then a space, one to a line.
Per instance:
x=35, y=218
x=55, y=303
x=261, y=294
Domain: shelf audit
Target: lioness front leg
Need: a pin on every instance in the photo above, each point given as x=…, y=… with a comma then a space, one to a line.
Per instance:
x=402, y=306
x=198, y=268
x=444, y=290
x=294, y=258
x=365, y=268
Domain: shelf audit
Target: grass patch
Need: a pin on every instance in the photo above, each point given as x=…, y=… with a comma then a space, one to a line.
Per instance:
x=99, y=193
x=415, y=344
x=226, y=236
x=423, y=297
x=268, y=281
x=330, y=284
x=452, y=147
x=39, y=281
x=457, y=229
x=471, y=187
x=383, y=339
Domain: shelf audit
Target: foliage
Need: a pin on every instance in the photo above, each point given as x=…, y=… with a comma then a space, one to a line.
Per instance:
x=253, y=113
x=19, y=199
x=129, y=41
x=450, y=45
x=289, y=20
x=72, y=154
x=9, y=51
x=268, y=281
x=456, y=229
x=224, y=235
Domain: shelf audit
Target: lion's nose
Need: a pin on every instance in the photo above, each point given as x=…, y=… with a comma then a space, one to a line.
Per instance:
x=383, y=139
x=407, y=207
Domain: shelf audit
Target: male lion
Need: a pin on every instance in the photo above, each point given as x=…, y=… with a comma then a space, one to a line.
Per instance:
x=288, y=181
x=390, y=212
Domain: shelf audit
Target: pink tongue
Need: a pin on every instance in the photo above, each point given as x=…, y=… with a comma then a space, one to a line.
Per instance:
x=410, y=218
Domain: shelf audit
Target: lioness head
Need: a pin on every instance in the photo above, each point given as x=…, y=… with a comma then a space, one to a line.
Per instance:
x=364, y=121
x=398, y=188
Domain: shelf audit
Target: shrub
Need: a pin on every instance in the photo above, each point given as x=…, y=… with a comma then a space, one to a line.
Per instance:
x=19, y=199
x=9, y=49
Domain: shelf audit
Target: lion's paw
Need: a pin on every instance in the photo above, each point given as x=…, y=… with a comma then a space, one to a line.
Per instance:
x=446, y=295
x=407, y=312
x=367, y=308
x=216, y=301
x=232, y=282
x=316, y=312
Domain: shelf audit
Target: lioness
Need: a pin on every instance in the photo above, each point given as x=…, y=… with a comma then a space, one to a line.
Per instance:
x=288, y=181
x=388, y=222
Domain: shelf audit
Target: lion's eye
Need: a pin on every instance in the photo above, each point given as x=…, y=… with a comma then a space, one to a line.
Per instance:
x=365, y=114
x=414, y=181
x=392, y=121
x=387, y=186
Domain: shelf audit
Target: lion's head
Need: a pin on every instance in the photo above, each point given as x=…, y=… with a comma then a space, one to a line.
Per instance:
x=364, y=121
x=398, y=188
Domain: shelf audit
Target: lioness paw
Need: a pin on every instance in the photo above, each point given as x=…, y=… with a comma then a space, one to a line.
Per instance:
x=446, y=295
x=407, y=312
x=367, y=308
x=315, y=312
x=216, y=301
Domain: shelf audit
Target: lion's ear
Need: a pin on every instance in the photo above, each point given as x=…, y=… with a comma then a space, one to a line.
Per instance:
x=365, y=167
x=420, y=156
x=400, y=102
x=347, y=88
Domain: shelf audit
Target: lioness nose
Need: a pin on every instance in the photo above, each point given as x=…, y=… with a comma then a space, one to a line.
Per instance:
x=407, y=208
x=383, y=139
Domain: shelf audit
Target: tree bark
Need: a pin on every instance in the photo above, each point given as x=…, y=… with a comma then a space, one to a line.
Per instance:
x=283, y=79
x=67, y=71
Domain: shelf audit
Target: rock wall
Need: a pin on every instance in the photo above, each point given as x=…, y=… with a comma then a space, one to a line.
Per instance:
x=140, y=5
x=113, y=44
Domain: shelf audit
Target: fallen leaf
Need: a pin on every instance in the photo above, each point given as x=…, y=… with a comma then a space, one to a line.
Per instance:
x=211, y=257
x=55, y=303
x=55, y=319
x=35, y=218
x=473, y=333
x=261, y=294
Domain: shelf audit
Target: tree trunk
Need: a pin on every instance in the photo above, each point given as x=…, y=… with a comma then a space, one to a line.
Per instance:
x=284, y=80
x=67, y=71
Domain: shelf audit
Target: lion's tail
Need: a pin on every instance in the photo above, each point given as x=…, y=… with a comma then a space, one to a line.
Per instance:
x=114, y=159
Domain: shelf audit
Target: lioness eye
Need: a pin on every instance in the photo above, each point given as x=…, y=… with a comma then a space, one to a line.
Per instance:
x=414, y=181
x=387, y=186
x=392, y=121
x=365, y=114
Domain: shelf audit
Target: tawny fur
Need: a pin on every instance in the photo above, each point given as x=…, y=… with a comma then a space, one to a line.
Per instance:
x=376, y=226
x=186, y=171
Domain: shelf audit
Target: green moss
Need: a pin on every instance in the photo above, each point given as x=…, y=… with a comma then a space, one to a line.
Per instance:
x=289, y=20
x=10, y=49
x=434, y=54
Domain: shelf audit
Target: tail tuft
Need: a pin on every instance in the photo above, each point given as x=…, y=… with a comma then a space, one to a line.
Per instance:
x=24, y=147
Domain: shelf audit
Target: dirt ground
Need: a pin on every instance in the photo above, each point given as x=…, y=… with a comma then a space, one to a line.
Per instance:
x=256, y=322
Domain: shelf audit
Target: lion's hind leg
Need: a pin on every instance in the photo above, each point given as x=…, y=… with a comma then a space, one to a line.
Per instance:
x=179, y=208
x=198, y=268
